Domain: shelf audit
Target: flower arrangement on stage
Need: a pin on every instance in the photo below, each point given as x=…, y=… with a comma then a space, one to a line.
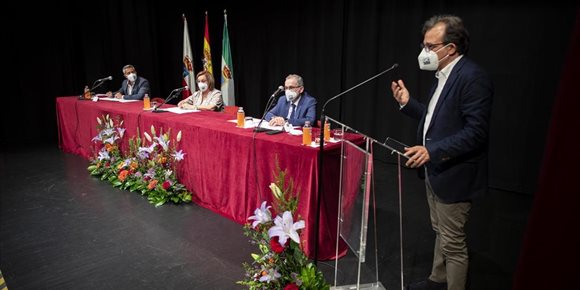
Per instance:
x=281, y=263
x=150, y=166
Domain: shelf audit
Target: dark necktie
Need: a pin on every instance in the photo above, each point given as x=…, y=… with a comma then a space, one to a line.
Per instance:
x=293, y=111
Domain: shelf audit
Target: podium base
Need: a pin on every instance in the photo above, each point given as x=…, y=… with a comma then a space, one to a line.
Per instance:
x=369, y=286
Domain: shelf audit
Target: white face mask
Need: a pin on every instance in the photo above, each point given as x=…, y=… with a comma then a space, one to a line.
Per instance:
x=291, y=95
x=132, y=77
x=428, y=60
x=202, y=86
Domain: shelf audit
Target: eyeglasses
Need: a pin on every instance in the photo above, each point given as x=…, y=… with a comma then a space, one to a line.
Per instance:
x=291, y=88
x=429, y=46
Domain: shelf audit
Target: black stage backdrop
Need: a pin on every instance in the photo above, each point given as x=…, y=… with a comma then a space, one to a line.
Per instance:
x=57, y=47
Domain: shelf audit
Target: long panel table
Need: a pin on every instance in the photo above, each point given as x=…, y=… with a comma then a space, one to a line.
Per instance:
x=227, y=169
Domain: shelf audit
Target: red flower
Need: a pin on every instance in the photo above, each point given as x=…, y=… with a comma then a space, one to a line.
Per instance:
x=166, y=184
x=275, y=245
x=291, y=286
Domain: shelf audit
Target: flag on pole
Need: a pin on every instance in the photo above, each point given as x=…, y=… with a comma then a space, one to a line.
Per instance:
x=228, y=92
x=188, y=73
x=206, y=49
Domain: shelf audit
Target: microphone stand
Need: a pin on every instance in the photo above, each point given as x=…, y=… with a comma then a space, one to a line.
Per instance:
x=268, y=104
x=320, y=155
x=95, y=85
x=156, y=108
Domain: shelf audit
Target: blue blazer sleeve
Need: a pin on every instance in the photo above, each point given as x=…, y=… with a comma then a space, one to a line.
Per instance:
x=306, y=110
x=278, y=110
x=139, y=90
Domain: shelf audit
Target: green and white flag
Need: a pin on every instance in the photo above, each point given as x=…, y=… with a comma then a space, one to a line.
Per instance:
x=227, y=88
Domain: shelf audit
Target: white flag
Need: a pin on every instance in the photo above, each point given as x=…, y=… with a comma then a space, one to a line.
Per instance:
x=188, y=74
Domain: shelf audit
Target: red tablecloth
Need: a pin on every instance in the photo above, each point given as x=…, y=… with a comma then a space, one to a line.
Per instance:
x=226, y=169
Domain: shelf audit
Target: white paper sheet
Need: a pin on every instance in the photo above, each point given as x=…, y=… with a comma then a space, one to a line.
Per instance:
x=117, y=100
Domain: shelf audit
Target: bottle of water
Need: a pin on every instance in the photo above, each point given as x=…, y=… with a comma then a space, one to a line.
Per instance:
x=306, y=134
x=241, y=117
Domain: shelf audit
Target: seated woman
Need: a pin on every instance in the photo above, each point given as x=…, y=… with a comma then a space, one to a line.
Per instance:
x=207, y=98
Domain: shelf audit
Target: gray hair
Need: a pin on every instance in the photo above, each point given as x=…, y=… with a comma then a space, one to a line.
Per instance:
x=126, y=67
x=298, y=78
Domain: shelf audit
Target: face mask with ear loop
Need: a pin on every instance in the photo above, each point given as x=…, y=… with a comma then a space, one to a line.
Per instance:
x=132, y=77
x=291, y=95
x=428, y=59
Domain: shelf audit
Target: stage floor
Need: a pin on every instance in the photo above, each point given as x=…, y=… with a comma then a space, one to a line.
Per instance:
x=63, y=229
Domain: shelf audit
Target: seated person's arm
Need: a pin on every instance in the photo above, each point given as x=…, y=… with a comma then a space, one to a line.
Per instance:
x=273, y=116
x=186, y=104
x=143, y=89
x=215, y=103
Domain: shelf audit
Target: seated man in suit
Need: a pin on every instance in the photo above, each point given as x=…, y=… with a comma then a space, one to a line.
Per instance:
x=296, y=106
x=134, y=87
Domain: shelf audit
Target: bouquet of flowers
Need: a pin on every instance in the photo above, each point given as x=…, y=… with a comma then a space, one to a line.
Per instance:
x=281, y=263
x=149, y=167
x=108, y=153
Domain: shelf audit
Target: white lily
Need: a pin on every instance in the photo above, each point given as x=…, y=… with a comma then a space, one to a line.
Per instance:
x=261, y=215
x=285, y=227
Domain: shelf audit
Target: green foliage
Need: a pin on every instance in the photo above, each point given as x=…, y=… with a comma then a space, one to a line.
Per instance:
x=149, y=167
x=278, y=266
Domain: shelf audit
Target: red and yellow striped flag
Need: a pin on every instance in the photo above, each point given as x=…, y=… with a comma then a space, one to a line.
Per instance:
x=206, y=49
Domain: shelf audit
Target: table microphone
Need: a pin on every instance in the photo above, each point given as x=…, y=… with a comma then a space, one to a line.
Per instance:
x=96, y=84
x=268, y=104
x=171, y=95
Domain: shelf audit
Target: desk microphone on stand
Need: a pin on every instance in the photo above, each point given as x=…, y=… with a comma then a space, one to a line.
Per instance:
x=95, y=85
x=171, y=96
x=268, y=104
x=320, y=154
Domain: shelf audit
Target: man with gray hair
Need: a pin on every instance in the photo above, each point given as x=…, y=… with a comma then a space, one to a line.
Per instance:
x=296, y=106
x=133, y=87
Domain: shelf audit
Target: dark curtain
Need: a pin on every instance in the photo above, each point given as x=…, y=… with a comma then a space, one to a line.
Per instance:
x=550, y=247
x=334, y=45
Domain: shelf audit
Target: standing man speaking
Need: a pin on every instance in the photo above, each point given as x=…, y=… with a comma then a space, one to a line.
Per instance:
x=453, y=136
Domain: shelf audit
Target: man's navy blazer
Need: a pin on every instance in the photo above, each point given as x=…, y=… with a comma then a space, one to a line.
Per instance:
x=457, y=137
x=305, y=111
x=140, y=88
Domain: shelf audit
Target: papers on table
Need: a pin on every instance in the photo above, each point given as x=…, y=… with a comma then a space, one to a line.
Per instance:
x=116, y=100
x=177, y=110
x=253, y=122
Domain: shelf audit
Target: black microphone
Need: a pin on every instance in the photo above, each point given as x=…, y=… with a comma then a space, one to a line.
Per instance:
x=86, y=95
x=268, y=104
x=320, y=154
x=280, y=89
x=105, y=79
x=171, y=95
